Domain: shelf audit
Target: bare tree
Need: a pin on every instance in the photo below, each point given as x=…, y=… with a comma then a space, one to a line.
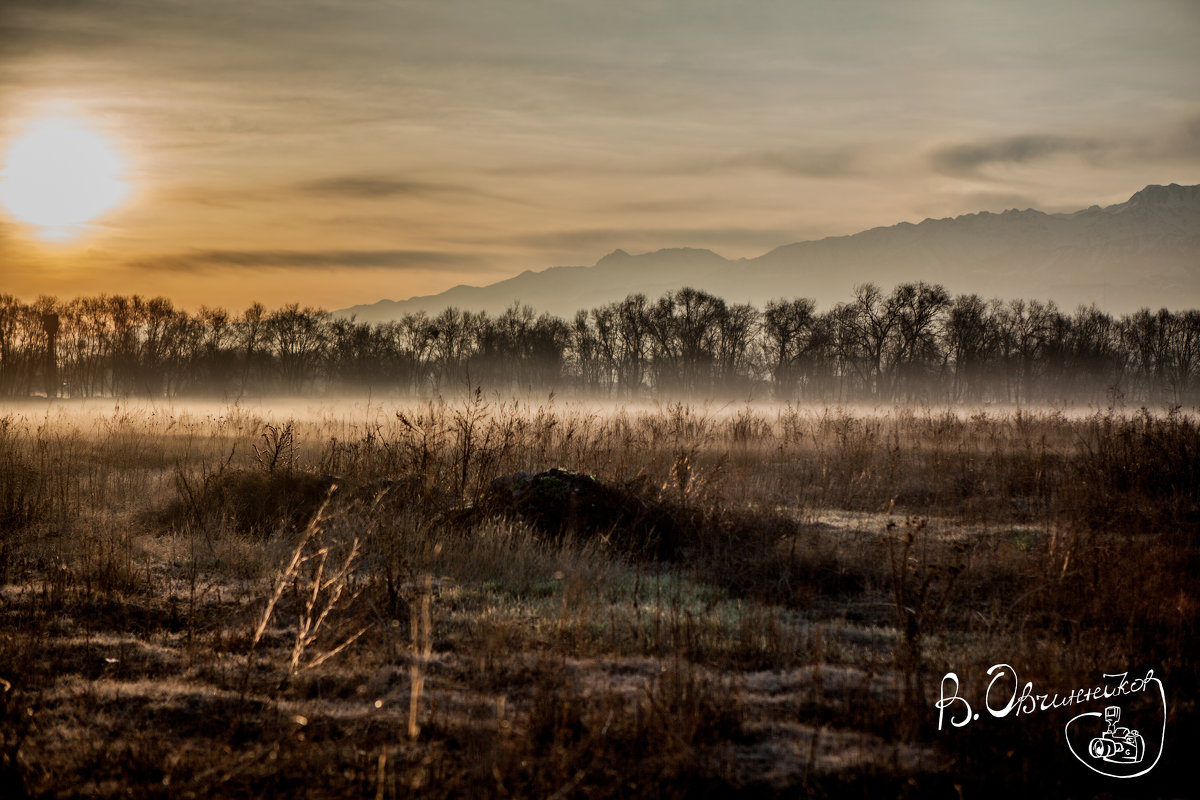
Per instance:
x=298, y=337
x=787, y=333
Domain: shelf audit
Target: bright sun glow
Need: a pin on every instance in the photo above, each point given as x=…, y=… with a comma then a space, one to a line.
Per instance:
x=59, y=174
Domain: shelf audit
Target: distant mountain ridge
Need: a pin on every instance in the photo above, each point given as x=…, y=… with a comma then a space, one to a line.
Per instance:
x=1143, y=252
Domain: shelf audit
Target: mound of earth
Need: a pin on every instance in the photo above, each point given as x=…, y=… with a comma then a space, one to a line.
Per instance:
x=558, y=502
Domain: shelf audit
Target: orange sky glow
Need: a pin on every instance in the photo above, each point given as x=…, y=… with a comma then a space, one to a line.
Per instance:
x=339, y=153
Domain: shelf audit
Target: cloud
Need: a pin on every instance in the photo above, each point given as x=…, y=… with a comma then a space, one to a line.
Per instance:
x=836, y=162
x=373, y=188
x=967, y=160
x=1167, y=141
x=668, y=205
x=352, y=187
x=1184, y=140
x=311, y=259
x=808, y=162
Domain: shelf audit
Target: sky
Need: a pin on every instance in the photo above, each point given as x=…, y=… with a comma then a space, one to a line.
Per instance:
x=345, y=151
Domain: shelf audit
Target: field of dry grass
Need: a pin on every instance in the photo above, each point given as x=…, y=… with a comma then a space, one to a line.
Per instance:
x=373, y=600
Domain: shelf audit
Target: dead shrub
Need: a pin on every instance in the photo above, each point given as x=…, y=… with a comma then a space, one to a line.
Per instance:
x=249, y=501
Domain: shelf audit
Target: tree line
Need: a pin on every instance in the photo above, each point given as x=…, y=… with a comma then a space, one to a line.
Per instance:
x=915, y=343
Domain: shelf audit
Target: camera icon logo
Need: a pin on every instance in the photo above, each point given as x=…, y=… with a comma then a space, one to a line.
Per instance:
x=1107, y=748
x=1117, y=745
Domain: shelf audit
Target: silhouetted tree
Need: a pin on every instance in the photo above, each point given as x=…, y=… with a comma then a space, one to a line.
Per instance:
x=787, y=336
x=971, y=338
x=298, y=337
x=916, y=352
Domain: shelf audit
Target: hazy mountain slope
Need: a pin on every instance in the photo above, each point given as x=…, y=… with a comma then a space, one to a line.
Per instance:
x=1143, y=252
x=563, y=290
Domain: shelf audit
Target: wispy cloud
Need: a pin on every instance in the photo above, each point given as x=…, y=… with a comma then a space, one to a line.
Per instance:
x=802, y=162
x=311, y=259
x=831, y=162
x=1184, y=139
x=383, y=187
x=373, y=188
x=968, y=160
x=1174, y=140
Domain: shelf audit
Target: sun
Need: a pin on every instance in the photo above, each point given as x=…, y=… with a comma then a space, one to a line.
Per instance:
x=59, y=174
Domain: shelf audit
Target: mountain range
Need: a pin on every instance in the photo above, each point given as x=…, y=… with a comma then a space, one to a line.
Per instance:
x=1144, y=252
